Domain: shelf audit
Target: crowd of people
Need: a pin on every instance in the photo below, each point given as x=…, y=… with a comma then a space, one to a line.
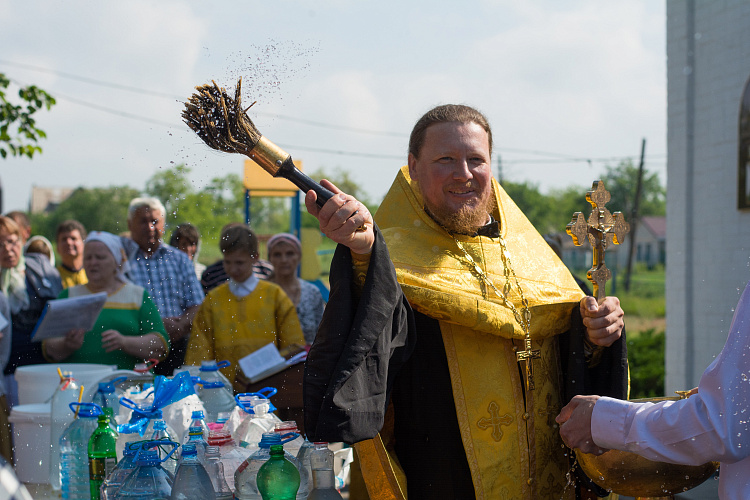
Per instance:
x=161, y=302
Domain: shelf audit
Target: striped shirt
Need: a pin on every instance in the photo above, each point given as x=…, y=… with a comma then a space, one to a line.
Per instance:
x=169, y=277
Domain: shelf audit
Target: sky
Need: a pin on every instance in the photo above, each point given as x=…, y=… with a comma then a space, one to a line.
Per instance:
x=569, y=87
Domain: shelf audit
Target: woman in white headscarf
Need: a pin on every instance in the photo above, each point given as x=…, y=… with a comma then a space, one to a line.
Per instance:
x=129, y=328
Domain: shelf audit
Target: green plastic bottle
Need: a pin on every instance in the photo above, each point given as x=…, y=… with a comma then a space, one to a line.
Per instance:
x=278, y=478
x=102, y=455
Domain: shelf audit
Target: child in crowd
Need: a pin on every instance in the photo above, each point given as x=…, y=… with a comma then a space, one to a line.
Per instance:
x=244, y=314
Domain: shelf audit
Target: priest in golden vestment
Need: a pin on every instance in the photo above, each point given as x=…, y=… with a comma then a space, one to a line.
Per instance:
x=432, y=306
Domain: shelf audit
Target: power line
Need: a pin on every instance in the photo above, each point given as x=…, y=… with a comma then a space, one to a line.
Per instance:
x=558, y=158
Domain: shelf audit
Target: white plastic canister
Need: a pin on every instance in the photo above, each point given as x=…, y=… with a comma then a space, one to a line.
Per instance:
x=31, y=437
x=37, y=383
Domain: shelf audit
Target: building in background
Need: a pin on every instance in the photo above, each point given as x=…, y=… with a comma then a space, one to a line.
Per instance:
x=45, y=200
x=708, y=213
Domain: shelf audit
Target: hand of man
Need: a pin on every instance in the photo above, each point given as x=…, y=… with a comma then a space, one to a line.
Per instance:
x=604, y=322
x=112, y=340
x=341, y=217
x=575, y=424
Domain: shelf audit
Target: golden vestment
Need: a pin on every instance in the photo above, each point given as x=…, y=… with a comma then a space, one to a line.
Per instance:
x=510, y=438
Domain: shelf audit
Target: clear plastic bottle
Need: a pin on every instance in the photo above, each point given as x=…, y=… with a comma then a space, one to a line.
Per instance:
x=141, y=424
x=293, y=447
x=278, y=478
x=230, y=454
x=102, y=454
x=197, y=420
x=108, y=396
x=74, y=442
x=260, y=419
x=161, y=433
x=324, y=482
x=68, y=391
x=149, y=480
x=120, y=473
x=303, y=457
x=214, y=390
x=191, y=480
x=215, y=470
x=245, y=478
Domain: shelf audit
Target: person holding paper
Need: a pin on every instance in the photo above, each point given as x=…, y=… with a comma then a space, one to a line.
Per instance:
x=244, y=314
x=129, y=328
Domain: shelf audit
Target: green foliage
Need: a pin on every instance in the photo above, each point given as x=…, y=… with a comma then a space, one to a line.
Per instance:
x=621, y=181
x=19, y=134
x=101, y=209
x=646, y=295
x=646, y=358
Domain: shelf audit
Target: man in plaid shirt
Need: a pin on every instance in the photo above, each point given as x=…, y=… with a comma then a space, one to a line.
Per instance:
x=166, y=273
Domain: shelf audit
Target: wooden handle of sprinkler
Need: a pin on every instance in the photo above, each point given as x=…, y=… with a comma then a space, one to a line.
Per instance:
x=291, y=173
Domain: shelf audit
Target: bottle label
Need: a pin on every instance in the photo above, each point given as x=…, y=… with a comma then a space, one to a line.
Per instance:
x=100, y=468
x=242, y=467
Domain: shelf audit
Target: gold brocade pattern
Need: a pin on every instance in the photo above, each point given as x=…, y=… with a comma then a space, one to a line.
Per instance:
x=484, y=374
x=478, y=331
x=438, y=282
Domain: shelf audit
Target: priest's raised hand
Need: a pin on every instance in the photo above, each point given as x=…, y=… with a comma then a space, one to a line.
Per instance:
x=343, y=219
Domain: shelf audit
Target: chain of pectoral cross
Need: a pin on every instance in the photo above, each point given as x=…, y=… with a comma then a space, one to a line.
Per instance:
x=523, y=318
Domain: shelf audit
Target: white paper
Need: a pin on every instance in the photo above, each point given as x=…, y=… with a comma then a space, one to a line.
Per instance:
x=264, y=359
x=62, y=315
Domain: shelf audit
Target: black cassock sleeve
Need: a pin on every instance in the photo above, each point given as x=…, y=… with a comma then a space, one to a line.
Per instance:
x=359, y=348
x=362, y=344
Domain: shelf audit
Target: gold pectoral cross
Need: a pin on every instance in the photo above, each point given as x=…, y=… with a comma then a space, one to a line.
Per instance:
x=602, y=229
x=525, y=357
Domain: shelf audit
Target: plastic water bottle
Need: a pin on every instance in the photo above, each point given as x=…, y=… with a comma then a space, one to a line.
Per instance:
x=161, y=433
x=74, y=442
x=198, y=420
x=293, y=447
x=149, y=481
x=230, y=454
x=192, y=480
x=303, y=457
x=108, y=396
x=60, y=417
x=122, y=470
x=260, y=419
x=215, y=470
x=278, y=478
x=214, y=390
x=102, y=454
x=324, y=482
x=245, y=478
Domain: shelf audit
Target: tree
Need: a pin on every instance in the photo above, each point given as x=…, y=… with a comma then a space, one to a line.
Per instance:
x=100, y=209
x=621, y=182
x=341, y=179
x=19, y=134
x=537, y=207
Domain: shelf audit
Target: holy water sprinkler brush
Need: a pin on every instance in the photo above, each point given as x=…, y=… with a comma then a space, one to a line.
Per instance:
x=221, y=123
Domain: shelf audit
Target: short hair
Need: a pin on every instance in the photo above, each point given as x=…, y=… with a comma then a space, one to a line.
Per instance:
x=20, y=218
x=238, y=237
x=446, y=113
x=68, y=226
x=147, y=202
x=8, y=225
x=185, y=232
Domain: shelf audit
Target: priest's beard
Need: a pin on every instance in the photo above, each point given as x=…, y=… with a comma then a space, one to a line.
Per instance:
x=467, y=219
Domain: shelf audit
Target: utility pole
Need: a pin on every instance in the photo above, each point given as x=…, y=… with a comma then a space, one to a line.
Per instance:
x=499, y=169
x=634, y=216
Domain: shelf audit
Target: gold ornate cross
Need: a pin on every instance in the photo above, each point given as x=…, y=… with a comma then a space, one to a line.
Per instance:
x=525, y=357
x=495, y=421
x=602, y=229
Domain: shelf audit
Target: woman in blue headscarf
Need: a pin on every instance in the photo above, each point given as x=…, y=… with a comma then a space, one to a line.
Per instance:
x=129, y=328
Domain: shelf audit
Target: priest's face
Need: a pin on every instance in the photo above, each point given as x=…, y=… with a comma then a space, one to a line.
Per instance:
x=454, y=175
